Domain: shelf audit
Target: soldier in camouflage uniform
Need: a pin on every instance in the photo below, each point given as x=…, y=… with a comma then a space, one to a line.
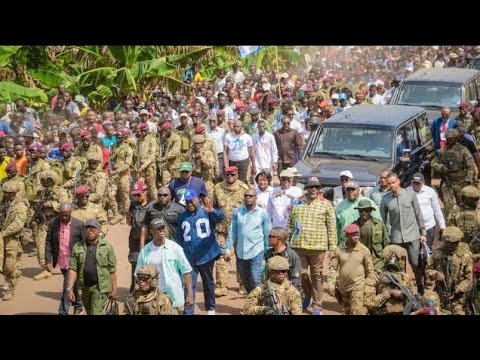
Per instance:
x=382, y=297
x=14, y=217
x=183, y=130
x=209, y=145
x=464, y=116
x=472, y=126
x=203, y=161
x=467, y=218
x=85, y=209
x=472, y=301
x=14, y=176
x=96, y=179
x=147, y=298
x=57, y=194
x=227, y=196
x=260, y=301
x=73, y=168
x=451, y=268
x=147, y=168
x=455, y=163
x=88, y=146
x=171, y=159
x=36, y=165
x=121, y=161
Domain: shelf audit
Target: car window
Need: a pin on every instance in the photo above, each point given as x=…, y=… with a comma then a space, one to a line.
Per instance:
x=471, y=92
x=478, y=87
x=348, y=141
x=428, y=94
x=405, y=141
x=423, y=129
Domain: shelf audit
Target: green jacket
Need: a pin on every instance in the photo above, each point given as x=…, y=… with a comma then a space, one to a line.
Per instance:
x=377, y=242
x=106, y=263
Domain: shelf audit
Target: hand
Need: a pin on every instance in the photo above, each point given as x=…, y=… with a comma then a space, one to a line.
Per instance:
x=189, y=301
x=71, y=296
x=254, y=169
x=227, y=258
x=113, y=294
x=207, y=204
x=268, y=310
x=440, y=277
x=331, y=291
x=396, y=294
x=279, y=193
x=49, y=267
x=423, y=239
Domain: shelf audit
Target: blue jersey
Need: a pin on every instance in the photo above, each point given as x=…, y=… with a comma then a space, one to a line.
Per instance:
x=196, y=235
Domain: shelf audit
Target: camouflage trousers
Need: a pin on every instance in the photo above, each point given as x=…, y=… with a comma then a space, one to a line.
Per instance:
x=11, y=262
x=456, y=305
x=93, y=300
x=169, y=174
x=221, y=266
x=150, y=179
x=451, y=196
x=111, y=201
x=40, y=236
x=123, y=190
x=352, y=302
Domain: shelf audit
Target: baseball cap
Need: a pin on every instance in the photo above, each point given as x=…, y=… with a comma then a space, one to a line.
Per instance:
x=351, y=229
x=346, y=173
x=190, y=194
x=157, y=223
x=418, y=177
x=144, y=111
x=185, y=166
x=335, y=96
x=138, y=187
x=92, y=222
x=352, y=185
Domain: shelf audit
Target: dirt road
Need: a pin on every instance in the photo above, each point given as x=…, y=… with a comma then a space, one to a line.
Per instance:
x=43, y=297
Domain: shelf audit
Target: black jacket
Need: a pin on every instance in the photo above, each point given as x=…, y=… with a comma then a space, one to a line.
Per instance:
x=294, y=274
x=52, y=243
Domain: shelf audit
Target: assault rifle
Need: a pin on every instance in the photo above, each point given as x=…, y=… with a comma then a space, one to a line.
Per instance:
x=413, y=301
x=446, y=292
x=271, y=300
x=38, y=216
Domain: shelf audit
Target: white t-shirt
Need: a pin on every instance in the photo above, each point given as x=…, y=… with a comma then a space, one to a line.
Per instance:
x=238, y=146
x=156, y=259
x=279, y=206
x=217, y=137
x=263, y=197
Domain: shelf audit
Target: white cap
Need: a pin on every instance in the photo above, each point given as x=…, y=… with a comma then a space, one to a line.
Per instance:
x=379, y=82
x=346, y=173
x=183, y=114
x=335, y=96
x=201, y=99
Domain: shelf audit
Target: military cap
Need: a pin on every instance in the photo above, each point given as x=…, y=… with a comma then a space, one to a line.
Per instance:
x=476, y=268
x=199, y=129
x=92, y=222
x=430, y=298
x=452, y=234
x=50, y=174
x=418, y=177
x=393, y=249
x=364, y=204
x=157, y=223
x=198, y=139
x=82, y=190
x=470, y=192
x=231, y=169
x=463, y=105
x=10, y=187
x=166, y=125
x=451, y=134
x=122, y=131
x=254, y=110
x=148, y=270
x=351, y=229
x=278, y=263
x=143, y=126
x=85, y=133
x=67, y=146
x=94, y=156
x=190, y=194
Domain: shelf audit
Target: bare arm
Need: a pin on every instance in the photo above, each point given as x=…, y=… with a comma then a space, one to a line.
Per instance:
x=188, y=283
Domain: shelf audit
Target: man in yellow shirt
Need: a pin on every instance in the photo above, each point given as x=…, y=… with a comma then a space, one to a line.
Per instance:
x=4, y=161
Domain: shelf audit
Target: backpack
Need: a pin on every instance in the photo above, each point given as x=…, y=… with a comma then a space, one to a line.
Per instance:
x=30, y=188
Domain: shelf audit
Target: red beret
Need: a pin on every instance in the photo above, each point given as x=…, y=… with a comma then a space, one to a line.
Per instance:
x=476, y=268
x=166, y=125
x=351, y=229
x=199, y=129
x=463, y=105
x=34, y=147
x=122, y=131
x=82, y=190
x=67, y=146
x=11, y=166
x=231, y=169
x=220, y=112
x=143, y=126
x=241, y=105
x=272, y=100
x=85, y=133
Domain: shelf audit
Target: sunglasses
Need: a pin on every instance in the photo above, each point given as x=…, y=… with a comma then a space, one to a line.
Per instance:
x=162, y=195
x=231, y=174
x=142, y=279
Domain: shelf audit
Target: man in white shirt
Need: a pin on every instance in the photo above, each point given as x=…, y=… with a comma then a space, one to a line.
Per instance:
x=217, y=135
x=339, y=192
x=281, y=201
x=429, y=206
x=265, y=149
x=236, y=75
x=238, y=149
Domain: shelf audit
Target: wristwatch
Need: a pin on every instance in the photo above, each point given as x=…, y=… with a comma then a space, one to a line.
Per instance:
x=69, y=289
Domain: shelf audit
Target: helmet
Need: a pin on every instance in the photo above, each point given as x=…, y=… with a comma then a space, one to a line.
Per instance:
x=50, y=174
x=10, y=187
x=152, y=272
x=430, y=298
x=471, y=192
x=452, y=234
x=278, y=263
x=451, y=134
x=94, y=156
x=394, y=256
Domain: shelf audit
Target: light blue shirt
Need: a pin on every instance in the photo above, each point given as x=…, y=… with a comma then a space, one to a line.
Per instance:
x=174, y=264
x=249, y=229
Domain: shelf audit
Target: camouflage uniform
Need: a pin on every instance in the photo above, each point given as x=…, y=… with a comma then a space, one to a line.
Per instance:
x=92, y=211
x=377, y=296
x=147, y=148
x=172, y=158
x=467, y=218
x=184, y=133
x=457, y=268
x=94, y=149
x=73, y=168
x=96, y=180
x=122, y=161
x=34, y=170
x=460, y=170
x=203, y=168
x=226, y=198
x=289, y=299
x=16, y=214
x=153, y=302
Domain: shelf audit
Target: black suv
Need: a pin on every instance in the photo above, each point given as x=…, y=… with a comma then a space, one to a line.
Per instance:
x=367, y=139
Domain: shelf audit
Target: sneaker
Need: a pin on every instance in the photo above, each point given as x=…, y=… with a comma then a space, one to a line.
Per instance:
x=113, y=221
x=317, y=311
x=242, y=290
x=45, y=274
x=306, y=303
x=210, y=312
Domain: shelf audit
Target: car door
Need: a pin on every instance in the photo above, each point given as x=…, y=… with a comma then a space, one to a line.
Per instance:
x=409, y=153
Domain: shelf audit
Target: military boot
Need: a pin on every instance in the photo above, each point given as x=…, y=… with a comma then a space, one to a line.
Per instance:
x=9, y=295
x=122, y=219
x=45, y=274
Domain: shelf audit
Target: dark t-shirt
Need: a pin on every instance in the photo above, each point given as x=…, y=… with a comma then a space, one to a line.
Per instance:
x=469, y=144
x=138, y=214
x=178, y=187
x=170, y=214
x=90, y=271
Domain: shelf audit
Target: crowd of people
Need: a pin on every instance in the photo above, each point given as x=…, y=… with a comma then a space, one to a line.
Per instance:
x=192, y=174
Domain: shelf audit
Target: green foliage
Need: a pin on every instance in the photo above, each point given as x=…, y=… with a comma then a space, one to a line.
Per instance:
x=6, y=53
x=10, y=91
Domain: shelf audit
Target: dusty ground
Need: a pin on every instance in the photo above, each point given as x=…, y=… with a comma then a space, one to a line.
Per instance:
x=43, y=297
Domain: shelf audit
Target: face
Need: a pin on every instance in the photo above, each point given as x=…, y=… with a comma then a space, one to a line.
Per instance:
x=185, y=175
x=65, y=216
x=231, y=177
x=164, y=197
x=450, y=247
x=143, y=283
x=365, y=213
x=9, y=196
x=3, y=153
x=312, y=192
x=285, y=181
x=142, y=196
x=352, y=193
x=286, y=124
x=86, y=140
x=273, y=240
x=159, y=234
x=383, y=179
x=344, y=180
x=262, y=182
x=417, y=186
x=446, y=114
x=237, y=127
x=278, y=276
x=394, y=183
x=250, y=197
x=92, y=233
x=82, y=200
x=353, y=239
x=192, y=205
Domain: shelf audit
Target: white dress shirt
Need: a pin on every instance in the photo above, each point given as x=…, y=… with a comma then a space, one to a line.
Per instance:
x=429, y=206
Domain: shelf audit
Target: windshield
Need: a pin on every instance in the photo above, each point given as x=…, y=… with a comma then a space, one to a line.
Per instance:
x=424, y=94
x=476, y=63
x=342, y=142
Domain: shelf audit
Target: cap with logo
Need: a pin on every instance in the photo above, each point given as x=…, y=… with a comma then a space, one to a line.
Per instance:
x=138, y=187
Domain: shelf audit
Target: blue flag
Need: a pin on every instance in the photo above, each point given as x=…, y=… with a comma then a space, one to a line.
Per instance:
x=248, y=50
